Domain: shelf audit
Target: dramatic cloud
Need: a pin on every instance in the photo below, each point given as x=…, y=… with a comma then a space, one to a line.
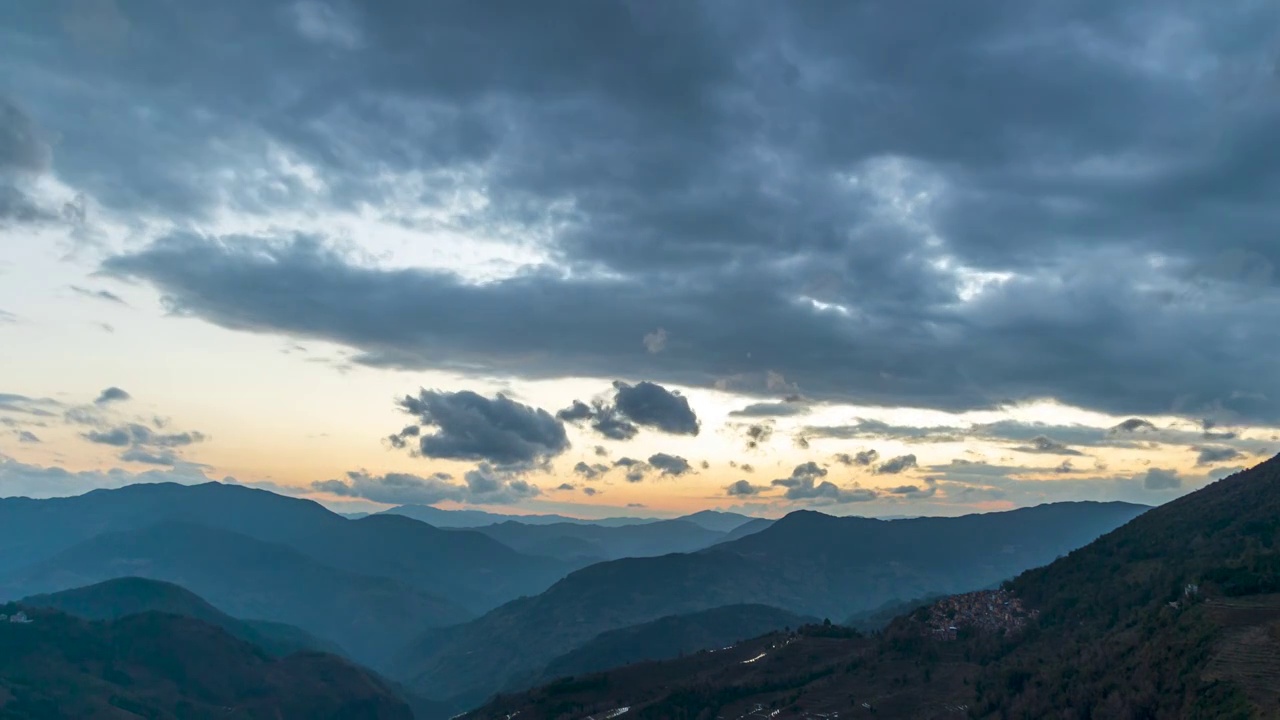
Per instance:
x=896, y=465
x=24, y=154
x=644, y=404
x=468, y=426
x=484, y=485
x=1046, y=445
x=1211, y=455
x=743, y=488
x=110, y=395
x=1021, y=211
x=654, y=406
x=669, y=464
x=1158, y=479
x=578, y=411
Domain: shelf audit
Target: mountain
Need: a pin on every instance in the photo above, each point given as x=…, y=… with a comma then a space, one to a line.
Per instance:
x=806, y=563
x=365, y=615
x=158, y=665
x=751, y=527
x=722, y=522
x=1174, y=615
x=478, y=518
x=572, y=541
x=32, y=530
x=467, y=567
x=121, y=597
x=461, y=566
x=671, y=636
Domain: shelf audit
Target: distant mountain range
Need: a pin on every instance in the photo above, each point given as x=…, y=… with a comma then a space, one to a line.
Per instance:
x=365, y=615
x=160, y=665
x=122, y=597
x=806, y=563
x=1175, y=614
x=478, y=518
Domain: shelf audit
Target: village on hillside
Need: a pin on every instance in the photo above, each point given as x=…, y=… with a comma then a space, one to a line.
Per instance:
x=985, y=610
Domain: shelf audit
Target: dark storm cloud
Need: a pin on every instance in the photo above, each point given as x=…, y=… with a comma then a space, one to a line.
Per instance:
x=743, y=488
x=578, y=411
x=483, y=486
x=1211, y=455
x=896, y=465
x=644, y=404
x=654, y=406
x=1046, y=445
x=110, y=395
x=1023, y=211
x=669, y=464
x=24, y=154
x=467, y=426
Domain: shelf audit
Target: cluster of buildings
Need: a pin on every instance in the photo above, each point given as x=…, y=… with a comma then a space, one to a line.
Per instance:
x=987, y=610
x=18, y=617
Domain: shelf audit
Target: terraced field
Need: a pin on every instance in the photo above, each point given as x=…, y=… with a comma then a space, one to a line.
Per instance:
x=1248, y=652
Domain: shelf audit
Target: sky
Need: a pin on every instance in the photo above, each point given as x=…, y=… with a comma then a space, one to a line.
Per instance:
x=600, y=258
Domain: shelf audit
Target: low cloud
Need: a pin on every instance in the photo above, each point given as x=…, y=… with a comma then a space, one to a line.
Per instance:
x=149, y=457
x=862, y=458
x=590, y=491
x=1046, y=445
x=896, y=465
x=26, y=436
x=111, y=395
x=669, y=464
x=592, y=471
x=743, y=488
x=566, y=486
x=1134, y=425
x=1160, y=479
x=1210, y=455
x=464, y=425
x=485, y=485
x=758, y=434
x=136, y=434
x=792, y=405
